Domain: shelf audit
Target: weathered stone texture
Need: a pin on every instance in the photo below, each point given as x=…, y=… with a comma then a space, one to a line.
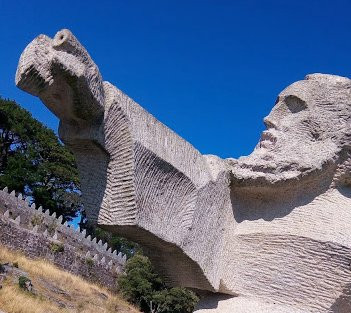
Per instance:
x=272, y=229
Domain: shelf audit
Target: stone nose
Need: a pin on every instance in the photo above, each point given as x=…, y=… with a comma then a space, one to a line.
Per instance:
x=269, y=123
x=63, y=36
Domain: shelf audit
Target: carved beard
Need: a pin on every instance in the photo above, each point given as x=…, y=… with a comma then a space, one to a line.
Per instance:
x=279, y=158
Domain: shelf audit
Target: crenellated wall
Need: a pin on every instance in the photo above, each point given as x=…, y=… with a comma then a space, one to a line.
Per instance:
x=38, y=234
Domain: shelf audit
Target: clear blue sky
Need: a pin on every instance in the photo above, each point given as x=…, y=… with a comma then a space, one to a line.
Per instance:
x=210, y=70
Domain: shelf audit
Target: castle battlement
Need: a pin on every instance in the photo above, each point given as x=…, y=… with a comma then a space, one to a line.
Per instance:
x=38, y=234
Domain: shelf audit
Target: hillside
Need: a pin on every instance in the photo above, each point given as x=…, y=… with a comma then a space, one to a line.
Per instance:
x=54, y=290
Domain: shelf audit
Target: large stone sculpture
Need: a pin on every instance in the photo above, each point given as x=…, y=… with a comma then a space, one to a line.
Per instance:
x=266, y=233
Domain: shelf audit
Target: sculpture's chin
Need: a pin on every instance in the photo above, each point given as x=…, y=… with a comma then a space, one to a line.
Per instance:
x=33, y=73
x=267, y=170
x=251, y=178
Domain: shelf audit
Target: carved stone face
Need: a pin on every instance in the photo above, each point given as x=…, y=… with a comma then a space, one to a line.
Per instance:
x=61, y=73
x=306, y=130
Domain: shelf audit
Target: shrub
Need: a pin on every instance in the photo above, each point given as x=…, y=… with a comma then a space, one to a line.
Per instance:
x=174, y=300
x=89, y=262
x=22, y=280
x=140, y=285
x=36, y=220
x=15, y=264
x=139, y=282
x=57, y=247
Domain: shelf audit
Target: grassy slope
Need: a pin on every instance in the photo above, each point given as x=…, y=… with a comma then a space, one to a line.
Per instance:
x=56, y=291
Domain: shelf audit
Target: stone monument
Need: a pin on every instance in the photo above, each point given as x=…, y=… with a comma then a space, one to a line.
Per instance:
x=270, y=232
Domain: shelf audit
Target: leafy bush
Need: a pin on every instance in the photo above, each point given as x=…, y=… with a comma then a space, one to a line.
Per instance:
x=139, y=281
x=36, y=220
x=140, y=285
x=57, y=247
x=174, y=300
x=22, y=280
x=89, y=262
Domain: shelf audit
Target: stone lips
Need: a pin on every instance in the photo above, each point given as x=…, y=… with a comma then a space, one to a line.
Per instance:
x=272, y=229
x=17, y=232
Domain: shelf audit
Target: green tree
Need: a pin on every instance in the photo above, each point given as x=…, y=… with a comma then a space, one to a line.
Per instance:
x=140, y=285
x=34, y=162
x=118, y=243
x=174, y=300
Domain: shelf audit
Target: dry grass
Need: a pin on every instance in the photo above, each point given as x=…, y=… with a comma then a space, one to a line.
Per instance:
x=54, y=288
x=14, y=300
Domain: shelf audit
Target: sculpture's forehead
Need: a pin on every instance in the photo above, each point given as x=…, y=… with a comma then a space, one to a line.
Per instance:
x=317, y=85
x=303, y=89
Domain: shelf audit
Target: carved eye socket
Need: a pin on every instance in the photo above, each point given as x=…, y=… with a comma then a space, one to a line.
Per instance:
x=295, y=104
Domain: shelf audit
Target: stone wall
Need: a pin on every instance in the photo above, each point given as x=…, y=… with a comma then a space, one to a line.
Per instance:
x=40, y=235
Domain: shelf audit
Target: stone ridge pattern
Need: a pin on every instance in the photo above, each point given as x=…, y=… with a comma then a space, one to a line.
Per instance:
x=37, y=234
x=269, y=232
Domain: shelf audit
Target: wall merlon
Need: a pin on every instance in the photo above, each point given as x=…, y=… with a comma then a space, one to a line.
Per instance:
x=55, y=236
x=18, y=220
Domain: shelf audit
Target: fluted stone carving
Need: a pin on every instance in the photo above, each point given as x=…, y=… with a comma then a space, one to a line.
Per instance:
x=270, y=230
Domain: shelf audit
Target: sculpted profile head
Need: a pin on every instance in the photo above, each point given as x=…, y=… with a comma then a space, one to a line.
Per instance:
x=62, y=74
x=308, y=131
